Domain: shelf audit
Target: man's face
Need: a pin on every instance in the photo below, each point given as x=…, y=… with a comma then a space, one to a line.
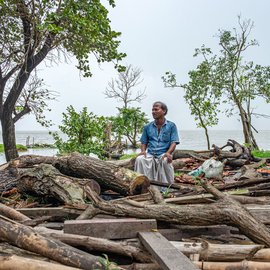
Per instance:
x=157, y=112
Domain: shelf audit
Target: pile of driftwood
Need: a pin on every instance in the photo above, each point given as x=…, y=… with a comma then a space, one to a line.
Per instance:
x=77, y=212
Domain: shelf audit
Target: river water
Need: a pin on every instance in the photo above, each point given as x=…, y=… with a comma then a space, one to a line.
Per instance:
x=189, y=139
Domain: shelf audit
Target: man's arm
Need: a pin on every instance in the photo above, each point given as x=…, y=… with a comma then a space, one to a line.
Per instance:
x=144, y=142
x=143, y=150
x=169, y=152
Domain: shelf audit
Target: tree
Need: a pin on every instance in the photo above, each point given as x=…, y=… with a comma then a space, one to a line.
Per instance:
x=129, y=122
x=234, y=81
x=241, y=81
x=32, y=31
x=85, y=133
x=203, y=103
x=122, y=88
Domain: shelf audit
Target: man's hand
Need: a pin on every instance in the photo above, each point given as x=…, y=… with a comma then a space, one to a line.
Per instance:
x=168, y=156
x=142, y=153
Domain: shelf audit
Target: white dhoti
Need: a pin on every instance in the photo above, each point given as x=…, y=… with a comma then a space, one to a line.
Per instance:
x=155, y=168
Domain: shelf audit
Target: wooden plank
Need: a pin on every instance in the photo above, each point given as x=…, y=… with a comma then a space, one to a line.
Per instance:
x=110, y=228
x=166, y=255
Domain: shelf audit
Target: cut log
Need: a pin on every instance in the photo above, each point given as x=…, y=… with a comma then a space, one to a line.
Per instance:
x=108, y=175
x=8, y=249
x=46, y=181
x=8, y=262
x=166, y=255
x=98, y=244
x=12, y=213
x=245, y=265
x=25, y=237
x=224, y=211
x=222, y=252
x=25, y=161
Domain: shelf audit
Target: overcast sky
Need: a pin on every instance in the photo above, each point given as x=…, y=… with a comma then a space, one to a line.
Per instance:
x=159, y=36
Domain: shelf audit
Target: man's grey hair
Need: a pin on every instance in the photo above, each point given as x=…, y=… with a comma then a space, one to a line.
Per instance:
x=162, y=105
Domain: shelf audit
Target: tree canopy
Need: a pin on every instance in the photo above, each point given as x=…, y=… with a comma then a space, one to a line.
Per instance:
x=32, y=31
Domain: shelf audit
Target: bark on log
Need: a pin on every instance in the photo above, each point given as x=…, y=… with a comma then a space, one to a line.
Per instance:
x=222, y=252
x=108, y=175
x=236, y=151
x=142, y=266
x=97, y=244
x=209, y=198
x=224, y=211
x=26, y=161
x=190, y=153
x=12, y=250
x=12, y=213
x=244, y=265
x=236, y=162
x=129, y=163
x=243, y=183
x=8, y=262
x=25, y=237
x=45, y=180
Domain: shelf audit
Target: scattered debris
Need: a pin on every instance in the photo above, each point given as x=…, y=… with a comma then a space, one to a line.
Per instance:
x=74, y=209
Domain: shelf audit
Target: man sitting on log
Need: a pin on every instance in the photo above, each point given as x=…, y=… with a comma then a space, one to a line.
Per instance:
x=158, y=141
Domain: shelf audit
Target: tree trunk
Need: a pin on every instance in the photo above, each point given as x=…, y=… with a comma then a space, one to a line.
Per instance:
x=207, y=137
x=26, y=238
x=8, y=134
x=247, y=130
x=108, y=175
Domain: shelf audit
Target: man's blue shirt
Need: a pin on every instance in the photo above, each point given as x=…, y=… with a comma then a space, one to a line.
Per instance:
x=158, y=144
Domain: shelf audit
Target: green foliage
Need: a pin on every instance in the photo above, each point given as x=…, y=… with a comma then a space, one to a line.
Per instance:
x=85, y=133
x=34, y=31
x=128, y=156
x=107, y=265
x=166, y=191
x=129, y=123
x=203, y=103
x=80, y=27
x=19, y=147
x=261, y=153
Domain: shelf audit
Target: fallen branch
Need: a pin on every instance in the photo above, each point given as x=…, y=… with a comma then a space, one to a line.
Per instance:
x=27, y=238
x=97, y=244
x=224, y=211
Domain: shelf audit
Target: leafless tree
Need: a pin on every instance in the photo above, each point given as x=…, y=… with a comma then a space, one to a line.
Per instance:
x=34, y=99
x=122, y=88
